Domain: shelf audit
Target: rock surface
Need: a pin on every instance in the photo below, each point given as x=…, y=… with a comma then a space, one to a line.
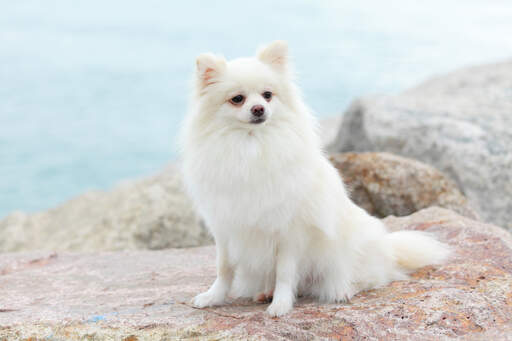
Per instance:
x=460, y=123
x=150, y=213
x=385, y=184
x=144, y=295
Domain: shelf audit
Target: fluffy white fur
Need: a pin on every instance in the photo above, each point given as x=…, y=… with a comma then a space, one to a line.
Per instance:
x=282, y=220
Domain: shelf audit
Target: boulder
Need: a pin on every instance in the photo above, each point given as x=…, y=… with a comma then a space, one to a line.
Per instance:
x=385, y=184
x=149, y=213
x=460, y=123
x=144, y=295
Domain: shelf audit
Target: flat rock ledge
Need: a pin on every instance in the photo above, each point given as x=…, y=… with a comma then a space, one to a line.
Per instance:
x=144, y=295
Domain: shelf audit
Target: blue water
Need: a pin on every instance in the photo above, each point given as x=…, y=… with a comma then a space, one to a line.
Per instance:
x=92, y=92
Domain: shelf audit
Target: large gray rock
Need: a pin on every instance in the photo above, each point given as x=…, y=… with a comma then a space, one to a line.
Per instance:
x=461, y=123
x=149, y=213
x=144, y=295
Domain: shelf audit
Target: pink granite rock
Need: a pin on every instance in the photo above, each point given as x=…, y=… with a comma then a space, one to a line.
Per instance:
x=144, y=295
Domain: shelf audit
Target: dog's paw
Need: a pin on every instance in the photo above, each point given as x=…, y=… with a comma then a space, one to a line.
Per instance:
x=280, y=307
x=207, y=299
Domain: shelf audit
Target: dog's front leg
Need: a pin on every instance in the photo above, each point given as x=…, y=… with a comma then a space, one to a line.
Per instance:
x=286, y=281
x=218, y=292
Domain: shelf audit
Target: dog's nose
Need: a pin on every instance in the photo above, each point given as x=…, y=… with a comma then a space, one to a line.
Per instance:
x=258, y=110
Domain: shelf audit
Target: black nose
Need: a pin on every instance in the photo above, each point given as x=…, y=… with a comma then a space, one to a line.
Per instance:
x=258, y=110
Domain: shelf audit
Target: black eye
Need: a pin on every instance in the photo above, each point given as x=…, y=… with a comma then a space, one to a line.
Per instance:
x=267, y=95
x=237, y=99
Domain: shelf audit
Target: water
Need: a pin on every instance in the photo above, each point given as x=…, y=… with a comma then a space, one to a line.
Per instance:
x=92, y=92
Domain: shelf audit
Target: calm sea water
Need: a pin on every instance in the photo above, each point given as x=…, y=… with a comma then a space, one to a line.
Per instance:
x=92, y=92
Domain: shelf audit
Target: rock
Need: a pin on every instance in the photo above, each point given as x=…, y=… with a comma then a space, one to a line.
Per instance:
x=150, y=213
x=385, y=184
x=460, y=123
x=144, y=295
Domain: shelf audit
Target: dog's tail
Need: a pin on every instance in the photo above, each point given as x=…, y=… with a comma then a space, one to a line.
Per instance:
x=414, y=249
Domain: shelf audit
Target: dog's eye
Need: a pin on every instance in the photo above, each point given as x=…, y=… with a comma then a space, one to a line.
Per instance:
x=237, y=99
x=267, y=95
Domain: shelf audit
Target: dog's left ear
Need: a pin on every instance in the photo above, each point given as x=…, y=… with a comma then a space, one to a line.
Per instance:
x=275, y=55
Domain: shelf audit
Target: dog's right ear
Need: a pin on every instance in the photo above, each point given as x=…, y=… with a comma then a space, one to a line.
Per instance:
x=209, y=68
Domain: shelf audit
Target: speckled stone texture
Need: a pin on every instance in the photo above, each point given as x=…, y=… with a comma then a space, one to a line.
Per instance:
x=385, y=184
x=144, y=295
x=459, y=123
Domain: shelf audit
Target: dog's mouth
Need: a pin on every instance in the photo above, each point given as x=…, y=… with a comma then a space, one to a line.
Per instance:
x=258, y=120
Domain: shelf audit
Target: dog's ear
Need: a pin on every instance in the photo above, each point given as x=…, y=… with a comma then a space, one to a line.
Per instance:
x=208, y=69
x=275, y=54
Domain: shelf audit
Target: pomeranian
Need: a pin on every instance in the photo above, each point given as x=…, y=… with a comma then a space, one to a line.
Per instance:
x=282, y=221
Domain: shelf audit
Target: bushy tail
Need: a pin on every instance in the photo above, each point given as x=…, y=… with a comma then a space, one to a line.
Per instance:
x=415, y=249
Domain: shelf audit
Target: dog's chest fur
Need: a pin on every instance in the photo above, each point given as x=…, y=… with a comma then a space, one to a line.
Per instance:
x=247, y=179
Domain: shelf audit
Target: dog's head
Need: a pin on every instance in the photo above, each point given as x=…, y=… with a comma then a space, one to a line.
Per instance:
x=245, y=91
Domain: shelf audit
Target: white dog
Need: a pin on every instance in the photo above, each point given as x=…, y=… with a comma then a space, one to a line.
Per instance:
x=282, y=220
